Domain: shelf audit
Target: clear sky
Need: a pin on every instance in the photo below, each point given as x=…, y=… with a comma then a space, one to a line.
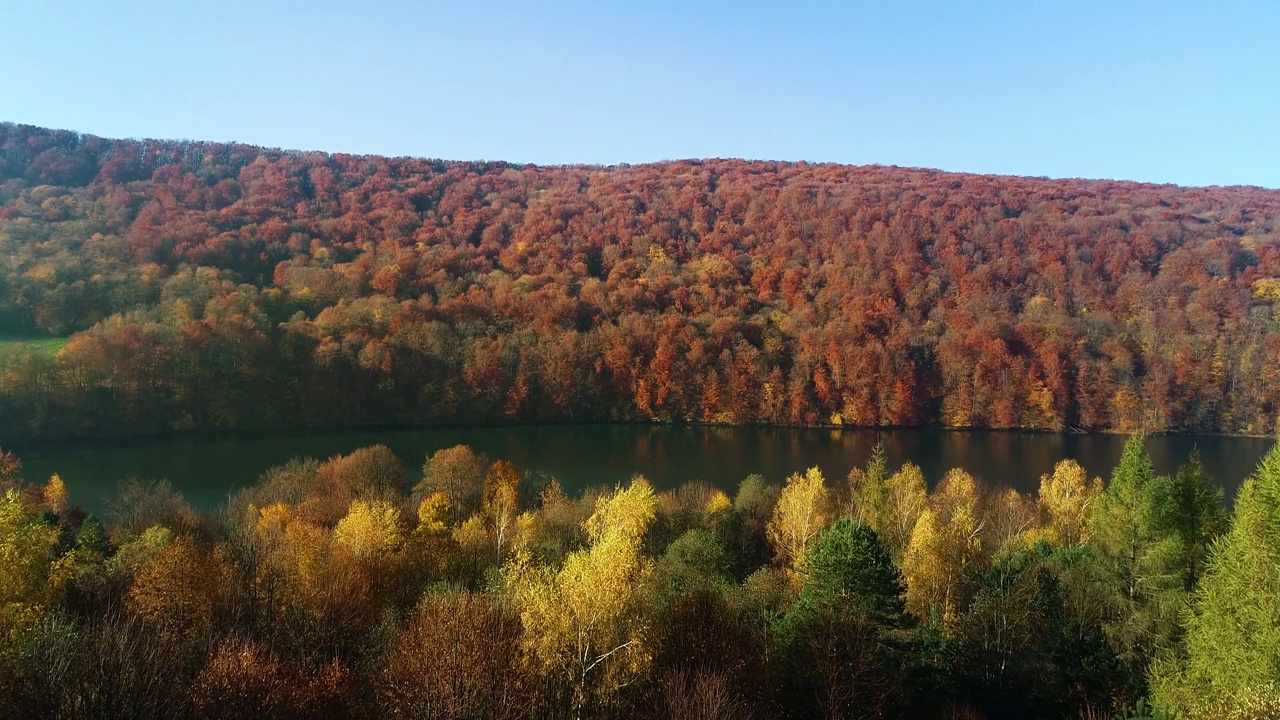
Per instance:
x=1181, y=92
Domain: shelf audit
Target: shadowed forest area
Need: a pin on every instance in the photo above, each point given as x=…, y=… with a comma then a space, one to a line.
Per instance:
x=334, y=589
x=202, y=286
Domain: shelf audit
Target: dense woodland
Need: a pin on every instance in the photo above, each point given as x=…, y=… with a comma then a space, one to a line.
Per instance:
x=219, y=286
x=333, y=589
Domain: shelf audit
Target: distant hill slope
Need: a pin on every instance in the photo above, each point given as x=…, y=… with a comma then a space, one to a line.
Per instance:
x=226, y=286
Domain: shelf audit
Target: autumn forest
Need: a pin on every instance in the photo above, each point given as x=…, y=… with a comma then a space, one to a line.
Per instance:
x=165, y=287
x=191, y=286
x=335, y=589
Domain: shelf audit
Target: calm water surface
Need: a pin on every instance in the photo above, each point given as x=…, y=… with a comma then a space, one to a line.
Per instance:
x=207, y=469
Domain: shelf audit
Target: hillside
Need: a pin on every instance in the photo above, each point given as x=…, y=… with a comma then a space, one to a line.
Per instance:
x=221, y=286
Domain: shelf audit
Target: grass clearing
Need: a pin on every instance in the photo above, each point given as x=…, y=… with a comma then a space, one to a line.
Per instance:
x=37, y=344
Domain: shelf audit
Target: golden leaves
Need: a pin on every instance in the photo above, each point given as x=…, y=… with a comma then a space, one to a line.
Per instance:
x=434, y=512
x=1065, y=498
x=182, y=589
x=907, y=495
x=27, y=549
x=370, y=529
x=502, y=502
x=55, y=494
x=944, y=543
x=578, y=620
x=800, y=514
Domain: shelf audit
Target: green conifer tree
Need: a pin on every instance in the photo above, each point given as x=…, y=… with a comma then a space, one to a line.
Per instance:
x=1190, y=507
x=1231, y=667
x=1138, y=558
x=845, y=635
x=869, y=491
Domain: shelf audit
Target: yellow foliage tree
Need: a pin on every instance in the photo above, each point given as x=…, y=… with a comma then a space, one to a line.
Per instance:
x=502, y=502
x=799, y=516
x=325, y=589
x=55, y=494
x=1012, y=522
x=430, y=550
x=1267, y=289
x=27, y=552
x=718, y=502
x=958, y=490
x=459, y=473
x=370, y=530
x=907, y=496
x=943, y=547
x=434, y=513
x=271, y=520
x=581, y=621
x=181, y=591
x=475, y=548
x=1065, y=499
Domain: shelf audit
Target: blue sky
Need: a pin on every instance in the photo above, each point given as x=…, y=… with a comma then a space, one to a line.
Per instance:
x=1187, y=93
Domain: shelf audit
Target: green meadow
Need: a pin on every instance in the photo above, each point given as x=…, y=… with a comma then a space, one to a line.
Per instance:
x=40, y=345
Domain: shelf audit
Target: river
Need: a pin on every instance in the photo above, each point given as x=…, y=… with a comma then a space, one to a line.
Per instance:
x=207, y=469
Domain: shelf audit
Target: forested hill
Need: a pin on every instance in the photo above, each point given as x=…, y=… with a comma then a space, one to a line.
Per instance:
x=212, y=285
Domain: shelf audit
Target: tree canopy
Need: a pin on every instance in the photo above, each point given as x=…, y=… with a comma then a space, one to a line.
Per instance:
x=221, y=286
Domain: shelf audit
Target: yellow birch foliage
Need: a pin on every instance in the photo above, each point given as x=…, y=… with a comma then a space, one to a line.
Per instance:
x=475, y=548
x=1065, y=498
x=270, y=522
x=370, y=530
x=27, y=552
x=324, y=585
x=580, y=621
x=182, y=589
x=958, y=490
x=55, y=494
x=525, y=531
x=924, y=565
x=434, y=513
x=1012, y=522
x=502, y=502
x=944, y=544
x=908, y=494
x=799, y=516
x=307, y=571
x=472, y=535
x=718, y=502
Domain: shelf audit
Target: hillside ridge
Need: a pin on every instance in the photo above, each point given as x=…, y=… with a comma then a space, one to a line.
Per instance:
x=224, y=286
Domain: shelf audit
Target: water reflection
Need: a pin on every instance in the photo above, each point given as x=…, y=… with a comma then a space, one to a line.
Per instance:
x=206, y=470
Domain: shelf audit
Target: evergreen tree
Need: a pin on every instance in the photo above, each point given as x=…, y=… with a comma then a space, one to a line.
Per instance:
x=1021, y=648
x=92, y=537
x=869, y=491
x=844, y=635
x=849, y=570
x=1191, y=508
x=1231, y=667
x=1138, y=556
